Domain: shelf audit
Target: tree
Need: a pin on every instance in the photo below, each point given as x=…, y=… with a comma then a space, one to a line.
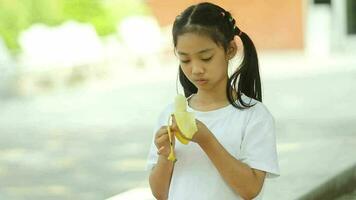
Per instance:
x=104, y=15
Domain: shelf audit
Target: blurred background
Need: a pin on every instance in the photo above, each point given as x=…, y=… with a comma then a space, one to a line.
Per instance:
x=82, y=83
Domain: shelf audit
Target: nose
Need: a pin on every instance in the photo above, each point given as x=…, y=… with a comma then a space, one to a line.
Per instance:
x=197, y=68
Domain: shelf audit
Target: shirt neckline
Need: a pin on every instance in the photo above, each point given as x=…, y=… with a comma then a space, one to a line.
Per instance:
x=209, y=111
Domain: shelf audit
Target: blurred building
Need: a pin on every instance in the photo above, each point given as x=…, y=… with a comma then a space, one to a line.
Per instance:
x=314, y=26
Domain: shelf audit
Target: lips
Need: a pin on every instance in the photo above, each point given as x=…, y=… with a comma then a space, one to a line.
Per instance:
x=201, y=81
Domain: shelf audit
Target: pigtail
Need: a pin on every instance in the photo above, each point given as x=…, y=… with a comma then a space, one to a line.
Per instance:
x=249, y=82
x=249, y=77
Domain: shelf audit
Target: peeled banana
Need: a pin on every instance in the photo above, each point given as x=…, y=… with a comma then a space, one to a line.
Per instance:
x=185, y=122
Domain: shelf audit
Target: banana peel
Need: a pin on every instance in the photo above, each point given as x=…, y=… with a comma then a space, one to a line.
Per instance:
x=185, y=122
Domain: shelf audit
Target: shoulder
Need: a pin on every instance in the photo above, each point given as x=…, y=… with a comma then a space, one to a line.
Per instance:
x=258, y=111
x=259, y=122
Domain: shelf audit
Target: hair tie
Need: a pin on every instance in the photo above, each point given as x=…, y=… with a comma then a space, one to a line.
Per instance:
x=237, y=31
x=232, y=21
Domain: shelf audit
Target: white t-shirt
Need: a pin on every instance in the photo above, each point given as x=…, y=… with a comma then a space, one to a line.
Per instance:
x=248, y=135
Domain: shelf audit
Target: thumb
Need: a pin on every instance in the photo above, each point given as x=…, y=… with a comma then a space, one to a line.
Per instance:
x=172, y=135
x=174, y=124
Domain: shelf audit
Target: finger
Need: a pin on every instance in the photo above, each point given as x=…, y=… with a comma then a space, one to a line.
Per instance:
x=173, y=133
x=162, y=139
x=163, y=130
x=174, y=126
x=159, y=151
x=174, y=119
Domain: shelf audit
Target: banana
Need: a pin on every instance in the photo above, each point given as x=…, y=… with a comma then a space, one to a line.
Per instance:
x=185, y=122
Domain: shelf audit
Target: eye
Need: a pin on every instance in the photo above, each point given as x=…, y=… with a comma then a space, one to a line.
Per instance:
x=206, y=59
x=184, y=61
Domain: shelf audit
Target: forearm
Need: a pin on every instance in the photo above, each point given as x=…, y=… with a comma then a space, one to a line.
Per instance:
x=160, y=178
x=238, y=175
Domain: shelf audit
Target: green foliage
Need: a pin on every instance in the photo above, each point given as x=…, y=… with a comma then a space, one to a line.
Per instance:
x=11, y=22
x=104, y=15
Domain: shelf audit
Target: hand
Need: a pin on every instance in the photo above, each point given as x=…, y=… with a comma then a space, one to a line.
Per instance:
x=162, y=141
x=202, y=134
x=199, y=136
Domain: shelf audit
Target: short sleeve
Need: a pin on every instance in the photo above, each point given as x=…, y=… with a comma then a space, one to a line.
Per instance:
x=258, y=147
x=152, y=154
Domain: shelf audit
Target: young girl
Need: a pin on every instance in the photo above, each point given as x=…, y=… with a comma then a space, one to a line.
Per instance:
x=234, y=149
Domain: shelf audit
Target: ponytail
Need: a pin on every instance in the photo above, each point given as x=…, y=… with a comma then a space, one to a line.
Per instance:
x=249, y=82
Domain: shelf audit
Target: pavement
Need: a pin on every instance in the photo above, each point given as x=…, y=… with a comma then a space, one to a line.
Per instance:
x=92, y=143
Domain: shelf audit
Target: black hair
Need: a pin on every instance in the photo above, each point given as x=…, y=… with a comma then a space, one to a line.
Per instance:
x=217, y=23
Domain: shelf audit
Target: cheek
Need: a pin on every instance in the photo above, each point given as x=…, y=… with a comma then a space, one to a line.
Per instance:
x=219, y=66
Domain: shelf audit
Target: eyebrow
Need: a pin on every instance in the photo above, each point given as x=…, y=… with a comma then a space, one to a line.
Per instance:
x=199, y=52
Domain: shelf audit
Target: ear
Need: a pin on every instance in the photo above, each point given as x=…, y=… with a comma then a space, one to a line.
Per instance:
x=231, y=50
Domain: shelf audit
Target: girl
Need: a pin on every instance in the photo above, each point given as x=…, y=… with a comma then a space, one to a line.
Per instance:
x=234, y=149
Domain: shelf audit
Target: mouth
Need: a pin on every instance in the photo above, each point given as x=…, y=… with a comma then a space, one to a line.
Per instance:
x=201, y=81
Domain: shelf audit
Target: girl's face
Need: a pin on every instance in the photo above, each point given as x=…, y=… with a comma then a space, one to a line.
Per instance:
x=203, y=62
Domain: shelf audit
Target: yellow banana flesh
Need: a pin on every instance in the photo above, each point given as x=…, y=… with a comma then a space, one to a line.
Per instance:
x=185, y=122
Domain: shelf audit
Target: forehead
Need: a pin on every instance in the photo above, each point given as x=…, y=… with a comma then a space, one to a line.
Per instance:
x=192, y=43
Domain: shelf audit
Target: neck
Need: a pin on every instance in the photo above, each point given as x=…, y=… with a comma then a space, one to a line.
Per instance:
x=213, y=96
x=205, y=98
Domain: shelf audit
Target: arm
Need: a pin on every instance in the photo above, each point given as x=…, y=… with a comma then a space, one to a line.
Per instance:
x=245, y=181
x=160, y=178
